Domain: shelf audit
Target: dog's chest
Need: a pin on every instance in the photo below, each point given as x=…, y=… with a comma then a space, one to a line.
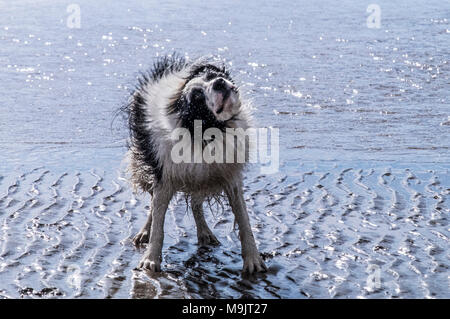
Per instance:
x=211, y=178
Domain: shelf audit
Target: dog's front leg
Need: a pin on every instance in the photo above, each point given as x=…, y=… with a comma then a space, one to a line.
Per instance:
x=160, y=202
x=204, y=234
x=252, y=259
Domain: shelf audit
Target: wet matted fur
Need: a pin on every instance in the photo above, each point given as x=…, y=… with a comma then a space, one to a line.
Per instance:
x=172, y=95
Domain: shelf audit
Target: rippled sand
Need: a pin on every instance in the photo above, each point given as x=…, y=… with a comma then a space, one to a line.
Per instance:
x=323, y=231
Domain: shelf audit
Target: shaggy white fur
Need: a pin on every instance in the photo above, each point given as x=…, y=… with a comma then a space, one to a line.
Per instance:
x=176, y=94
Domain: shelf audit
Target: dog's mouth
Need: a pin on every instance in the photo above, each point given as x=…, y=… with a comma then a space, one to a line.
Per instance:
x=224, y=102
x=221, y=101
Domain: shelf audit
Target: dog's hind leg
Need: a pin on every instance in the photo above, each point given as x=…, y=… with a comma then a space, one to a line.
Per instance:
x=144, y=234
x=204, y=234
x=252, y=259
x=160, y=201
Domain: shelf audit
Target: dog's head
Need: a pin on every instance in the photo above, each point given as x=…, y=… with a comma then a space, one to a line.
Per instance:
x=210, y=87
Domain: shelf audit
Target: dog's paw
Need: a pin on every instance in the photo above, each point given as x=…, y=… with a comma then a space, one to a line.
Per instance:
x=141, y=238
x=253, y=263
x=147, y=264
x=207, y=239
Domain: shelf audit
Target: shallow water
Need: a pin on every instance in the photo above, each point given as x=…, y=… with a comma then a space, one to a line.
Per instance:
x=363, y=187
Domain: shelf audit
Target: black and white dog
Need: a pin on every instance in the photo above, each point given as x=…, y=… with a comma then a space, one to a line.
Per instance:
x=175, y=94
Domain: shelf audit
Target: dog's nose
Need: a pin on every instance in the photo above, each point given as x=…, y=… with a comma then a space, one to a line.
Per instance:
x=220, y=85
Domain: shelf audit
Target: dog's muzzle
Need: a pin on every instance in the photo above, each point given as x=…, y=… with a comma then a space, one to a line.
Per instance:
x=223, y=90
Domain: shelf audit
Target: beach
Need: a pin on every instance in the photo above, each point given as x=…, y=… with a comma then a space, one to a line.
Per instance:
x=359, y=207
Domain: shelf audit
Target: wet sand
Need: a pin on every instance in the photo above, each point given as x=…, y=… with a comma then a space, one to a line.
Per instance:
x=322, y=231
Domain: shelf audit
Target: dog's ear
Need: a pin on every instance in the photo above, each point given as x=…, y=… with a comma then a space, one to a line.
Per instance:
x=204, y=64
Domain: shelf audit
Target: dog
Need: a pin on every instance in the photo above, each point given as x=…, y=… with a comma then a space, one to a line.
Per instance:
x=176, y=94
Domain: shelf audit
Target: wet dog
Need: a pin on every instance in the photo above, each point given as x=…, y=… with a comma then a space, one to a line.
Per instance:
x=176, y=94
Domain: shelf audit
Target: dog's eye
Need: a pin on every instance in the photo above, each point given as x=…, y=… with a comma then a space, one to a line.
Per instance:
x=197, y=95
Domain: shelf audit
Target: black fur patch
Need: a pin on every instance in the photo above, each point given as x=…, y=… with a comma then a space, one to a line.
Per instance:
x=166, y=65
x=197, y=110
x=141, y=140
x=209, y=70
